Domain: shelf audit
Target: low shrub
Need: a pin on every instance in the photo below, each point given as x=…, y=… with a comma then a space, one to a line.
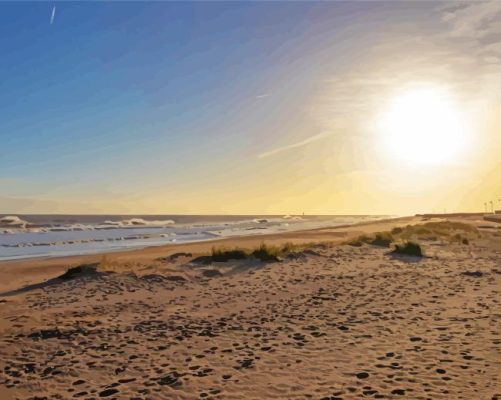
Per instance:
x=409, y=249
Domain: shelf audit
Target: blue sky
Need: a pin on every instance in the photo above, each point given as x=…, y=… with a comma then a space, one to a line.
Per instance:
x=108, y=81
x=108, y=78
x=112, y=99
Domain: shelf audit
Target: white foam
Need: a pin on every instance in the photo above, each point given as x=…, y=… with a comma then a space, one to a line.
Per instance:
x=139, y=222
x=297, y=218
x=85, y=238
x=13, y=221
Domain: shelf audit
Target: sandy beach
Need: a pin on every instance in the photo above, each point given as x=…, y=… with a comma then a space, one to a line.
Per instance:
x=250, y=200
x=334, y=318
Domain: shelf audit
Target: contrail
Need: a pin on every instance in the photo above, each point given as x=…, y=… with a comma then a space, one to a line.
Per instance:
x=294, y=145
x=53, y=15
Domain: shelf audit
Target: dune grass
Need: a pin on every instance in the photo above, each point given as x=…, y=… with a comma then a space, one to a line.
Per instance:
x=383, y=239
x=264, y=252
x=439, y=229
x=105, y=265
x=407, y=237
x=358, y=241
x=223, y=255
x=267, y=253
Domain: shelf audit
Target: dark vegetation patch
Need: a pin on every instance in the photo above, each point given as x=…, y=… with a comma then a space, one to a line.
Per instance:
x=79, y=271
x=267, y=253
x=202, y=260
x=223, y=255
x=211, y=273
x=408, y=249
x=382, y=239
x=397, y=230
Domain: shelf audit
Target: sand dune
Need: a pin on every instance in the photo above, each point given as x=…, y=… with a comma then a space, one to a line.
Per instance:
x=332, y=322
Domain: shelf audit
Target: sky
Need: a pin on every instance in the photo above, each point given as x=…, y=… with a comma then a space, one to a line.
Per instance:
x=249, y=107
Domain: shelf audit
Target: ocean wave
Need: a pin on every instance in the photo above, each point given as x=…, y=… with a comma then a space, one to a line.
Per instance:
x=139, y=222
x=13, y=221
x=293, y=217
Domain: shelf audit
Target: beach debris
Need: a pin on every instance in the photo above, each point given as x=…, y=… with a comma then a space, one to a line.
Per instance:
x=171, y=379
x=44, y=334
x=473, y=274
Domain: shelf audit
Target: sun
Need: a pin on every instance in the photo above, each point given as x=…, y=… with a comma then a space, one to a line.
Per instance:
x=423, y=126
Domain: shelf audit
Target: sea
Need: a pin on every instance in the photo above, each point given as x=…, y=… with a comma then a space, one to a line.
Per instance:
x=33, y=236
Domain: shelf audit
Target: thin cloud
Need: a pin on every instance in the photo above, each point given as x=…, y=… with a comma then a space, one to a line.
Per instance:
x=53, y=15
x=474, y=20
x=295, y=145
x=261, y=96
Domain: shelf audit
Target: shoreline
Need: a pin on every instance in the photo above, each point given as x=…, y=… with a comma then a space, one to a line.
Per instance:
x=77, y=236
x=265, y=236
x=44, y=268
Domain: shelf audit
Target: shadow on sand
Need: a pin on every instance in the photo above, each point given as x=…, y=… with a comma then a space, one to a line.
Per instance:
x=406, y=258
x=81, y=271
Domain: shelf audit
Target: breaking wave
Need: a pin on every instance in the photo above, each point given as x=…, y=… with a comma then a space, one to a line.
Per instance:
x=13, y=221
x=139, y=222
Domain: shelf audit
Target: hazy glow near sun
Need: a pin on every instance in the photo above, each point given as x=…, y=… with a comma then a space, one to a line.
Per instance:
x=423, y=126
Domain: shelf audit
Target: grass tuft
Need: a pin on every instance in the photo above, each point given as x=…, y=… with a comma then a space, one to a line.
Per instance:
x=397, y=230
x=264, y=252
x=359, y=241
x=383, y=239
x=223, y=255
x=267, y=253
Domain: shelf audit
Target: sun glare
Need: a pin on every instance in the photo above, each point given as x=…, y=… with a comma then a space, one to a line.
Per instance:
x=423, y=126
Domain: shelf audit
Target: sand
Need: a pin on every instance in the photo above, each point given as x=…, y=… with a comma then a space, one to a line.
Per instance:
x=329, y=321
